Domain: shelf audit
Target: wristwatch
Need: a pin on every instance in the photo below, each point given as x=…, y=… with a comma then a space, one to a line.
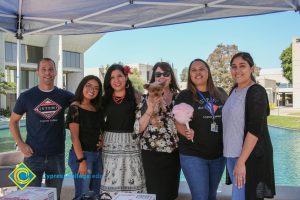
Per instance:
x=81, y=159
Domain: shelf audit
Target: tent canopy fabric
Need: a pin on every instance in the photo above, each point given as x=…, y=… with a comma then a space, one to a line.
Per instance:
x=63, y=17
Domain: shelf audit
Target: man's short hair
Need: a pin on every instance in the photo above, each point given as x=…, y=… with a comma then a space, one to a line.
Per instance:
x=45, y=59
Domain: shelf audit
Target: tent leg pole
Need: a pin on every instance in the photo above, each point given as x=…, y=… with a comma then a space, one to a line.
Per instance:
x=18, y=67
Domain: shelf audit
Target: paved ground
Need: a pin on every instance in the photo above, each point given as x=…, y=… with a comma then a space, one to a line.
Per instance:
x=285, y=111
x=224, y=192
x=4, y=123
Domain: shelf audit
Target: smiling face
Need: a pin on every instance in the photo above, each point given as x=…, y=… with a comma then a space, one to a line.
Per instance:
x=118, y=80
x=241, y=71
x=91, y=89
x=46, y=73
x=199, y=74
x=162, y=76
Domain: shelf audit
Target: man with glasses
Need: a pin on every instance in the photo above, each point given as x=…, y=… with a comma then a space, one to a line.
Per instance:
x=44, y=106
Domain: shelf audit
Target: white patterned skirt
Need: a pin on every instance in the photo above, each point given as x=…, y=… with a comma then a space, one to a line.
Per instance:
x=122, y=164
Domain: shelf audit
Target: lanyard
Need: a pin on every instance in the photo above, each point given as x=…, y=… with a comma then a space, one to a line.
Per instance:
x=210, y=105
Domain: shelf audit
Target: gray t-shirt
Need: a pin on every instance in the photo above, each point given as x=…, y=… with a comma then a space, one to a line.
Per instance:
x=233, y=123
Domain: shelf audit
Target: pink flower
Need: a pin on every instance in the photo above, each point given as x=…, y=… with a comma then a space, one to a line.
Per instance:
x=183, y=113
x=127, y=70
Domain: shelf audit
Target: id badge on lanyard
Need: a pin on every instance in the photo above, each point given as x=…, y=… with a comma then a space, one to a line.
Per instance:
x=214, y=127
x=210, y=106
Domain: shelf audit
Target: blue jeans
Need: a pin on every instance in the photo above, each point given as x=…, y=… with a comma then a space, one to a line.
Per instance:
x=91, y=181
x=237, y=194
x=203, y=176
x=50, y=165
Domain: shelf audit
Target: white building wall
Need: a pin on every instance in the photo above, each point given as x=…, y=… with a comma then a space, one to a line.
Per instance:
x=143, y=69
x=53, y=50
x=73, y=81
x=296, y=72
x=273, y=74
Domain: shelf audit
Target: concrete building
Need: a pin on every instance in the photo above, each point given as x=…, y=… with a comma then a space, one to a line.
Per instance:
x=96, y=71
x=144, y=70
x=66, y=51
x=279, y=90
x=296, y=72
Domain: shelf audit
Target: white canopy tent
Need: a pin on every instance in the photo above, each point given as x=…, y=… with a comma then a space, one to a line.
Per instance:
x=69, y=17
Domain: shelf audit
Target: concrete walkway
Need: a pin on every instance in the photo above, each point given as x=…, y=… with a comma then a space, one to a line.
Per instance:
x=4, y=124
x=224, y=192
x=285, y=111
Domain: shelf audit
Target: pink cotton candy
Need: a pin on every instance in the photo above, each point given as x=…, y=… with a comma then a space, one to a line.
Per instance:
x=183, y=113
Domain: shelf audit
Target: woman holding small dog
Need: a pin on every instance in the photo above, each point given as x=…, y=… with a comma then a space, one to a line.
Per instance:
x=122, y=163
x=201, y=147
x=158, y=136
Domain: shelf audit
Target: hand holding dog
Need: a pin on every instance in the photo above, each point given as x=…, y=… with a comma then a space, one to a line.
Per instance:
x=152, y=104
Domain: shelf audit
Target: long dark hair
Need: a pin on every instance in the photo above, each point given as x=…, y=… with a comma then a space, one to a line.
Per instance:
x=212, y=89
x=166, y=67
x=108, y=90
x=248, y=58
x=96, y=102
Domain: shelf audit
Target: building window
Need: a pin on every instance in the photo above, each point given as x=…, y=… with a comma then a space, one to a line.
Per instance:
x=148, y=76
x=29, y=54
x=27, y=78
x=11, y=52
x=65, y=81
x=10, y=74
x=71, y=59
x=34, y=54
x=24, y=83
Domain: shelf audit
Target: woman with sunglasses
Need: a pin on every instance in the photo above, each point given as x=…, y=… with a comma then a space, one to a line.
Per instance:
x=201, y=146
x=85, y=121
x=247, y=143
x=159, y=144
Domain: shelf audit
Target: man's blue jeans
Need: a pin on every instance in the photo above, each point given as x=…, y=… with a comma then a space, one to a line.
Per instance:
x=91, y=181
x=237, y=194
x=203, y=176
x=50, y=165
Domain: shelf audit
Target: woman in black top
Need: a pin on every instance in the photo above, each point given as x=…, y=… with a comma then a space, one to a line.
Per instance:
x=122, y=165
x=85, y=121
x=201, y=147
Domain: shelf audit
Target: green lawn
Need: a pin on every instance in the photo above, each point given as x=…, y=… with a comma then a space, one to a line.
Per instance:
x=285, y=122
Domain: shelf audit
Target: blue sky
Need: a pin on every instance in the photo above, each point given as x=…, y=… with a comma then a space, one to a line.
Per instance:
x=264, y=36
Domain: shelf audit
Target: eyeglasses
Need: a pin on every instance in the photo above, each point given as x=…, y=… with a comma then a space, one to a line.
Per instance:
x=165, y=74
x=90, y=87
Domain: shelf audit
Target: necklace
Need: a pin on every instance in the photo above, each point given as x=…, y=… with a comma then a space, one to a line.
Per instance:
x=118, y=100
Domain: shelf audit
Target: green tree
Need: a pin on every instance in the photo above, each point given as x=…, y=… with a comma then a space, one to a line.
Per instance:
x=219, y=62
x=286, y=63
x=5, y=86
x=184, y=74
x=136, y=80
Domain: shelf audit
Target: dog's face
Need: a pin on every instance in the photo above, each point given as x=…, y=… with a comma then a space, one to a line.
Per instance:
x=155, y=89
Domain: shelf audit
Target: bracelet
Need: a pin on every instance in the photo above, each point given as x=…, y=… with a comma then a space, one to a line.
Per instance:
x=81, y=159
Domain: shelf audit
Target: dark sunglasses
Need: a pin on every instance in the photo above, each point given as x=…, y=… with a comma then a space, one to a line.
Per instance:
x=165, y=74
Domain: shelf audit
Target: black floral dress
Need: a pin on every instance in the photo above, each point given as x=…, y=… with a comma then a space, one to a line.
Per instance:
x=159, y=144
x=160, y=139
